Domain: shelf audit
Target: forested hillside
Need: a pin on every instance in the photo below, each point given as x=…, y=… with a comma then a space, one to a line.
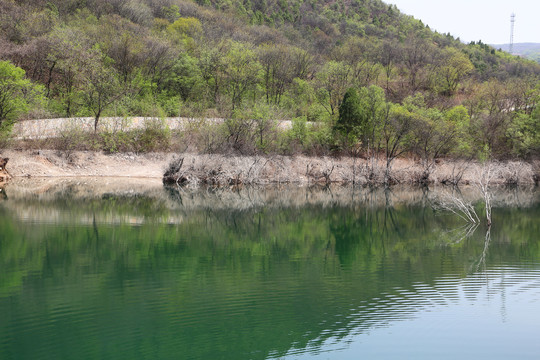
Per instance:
x=281, y=59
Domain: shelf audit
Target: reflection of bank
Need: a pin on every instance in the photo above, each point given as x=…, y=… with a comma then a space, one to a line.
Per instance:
x=3, y=195
x=291, y=270
x=4, y=177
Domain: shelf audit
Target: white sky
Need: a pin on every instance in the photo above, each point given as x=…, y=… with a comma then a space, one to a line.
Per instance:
x=472, y=20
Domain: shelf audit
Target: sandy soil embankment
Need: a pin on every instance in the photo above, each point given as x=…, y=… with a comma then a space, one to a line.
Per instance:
x=50, y=163
x=252, y=169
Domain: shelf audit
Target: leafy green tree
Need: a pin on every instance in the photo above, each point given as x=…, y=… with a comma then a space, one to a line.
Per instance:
x=362, y=115
x=212, y=64
x=16, y=94
x=188, y=26
x=455, y=67
x=524, y=134
x=435, y=133
x=333, y=81
x=350, y=115
x=375, y=112
x=184, y=78
x=242, y=72
x=65, y=59
x=186, y=31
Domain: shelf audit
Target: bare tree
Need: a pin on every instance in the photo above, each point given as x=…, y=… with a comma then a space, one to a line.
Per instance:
x=483, y=180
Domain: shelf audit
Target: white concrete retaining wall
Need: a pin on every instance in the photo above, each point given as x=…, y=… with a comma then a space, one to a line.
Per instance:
x=51, y=128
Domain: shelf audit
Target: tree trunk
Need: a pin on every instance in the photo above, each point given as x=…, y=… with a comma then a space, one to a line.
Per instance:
x=96, y=121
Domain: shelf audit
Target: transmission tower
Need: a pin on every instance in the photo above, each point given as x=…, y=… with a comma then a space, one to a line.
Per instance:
x=512, y=23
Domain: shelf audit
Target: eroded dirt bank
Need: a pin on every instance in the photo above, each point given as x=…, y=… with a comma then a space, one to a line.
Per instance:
x=223, y=170
x=51, y=163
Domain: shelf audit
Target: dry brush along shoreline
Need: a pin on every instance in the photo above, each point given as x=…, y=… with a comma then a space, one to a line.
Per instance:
x=221, y=170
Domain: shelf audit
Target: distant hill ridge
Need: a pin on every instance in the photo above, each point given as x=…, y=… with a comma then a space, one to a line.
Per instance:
x=527, y=50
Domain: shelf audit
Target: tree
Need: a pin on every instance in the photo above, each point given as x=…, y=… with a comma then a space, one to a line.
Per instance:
x=212, y=64
x=417, y=53
x=360, y=55
x=375, y=113
x=65, y=58
x=350, y=115
x=395, y=131
x=333, y=80
x=524, y=133
x=184, y=78
x=16, y=94
x=161, y=58
x=455, y=67
x=435, y=133
x=278, y=70
x=185, y=31
x=101, y=86
x=242, y=71
x=362, y=116
x=388, y=54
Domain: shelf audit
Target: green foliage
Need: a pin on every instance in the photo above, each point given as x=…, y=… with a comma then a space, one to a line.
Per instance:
x=183, y=78
x=185, y=31
x=186, y=26
x=17, y=94
x=524, y=133
x=333, y=80
x=435, y=134
x=299, y=131
x=456, y=66
x=374, y=108
x=155, y=136
x=350, y=118
x=242, y=72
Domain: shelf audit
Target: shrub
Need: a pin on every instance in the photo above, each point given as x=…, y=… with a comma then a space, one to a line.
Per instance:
x=155, y=135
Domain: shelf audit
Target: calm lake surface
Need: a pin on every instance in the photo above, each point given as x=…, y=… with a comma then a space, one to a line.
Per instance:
x=117, y=269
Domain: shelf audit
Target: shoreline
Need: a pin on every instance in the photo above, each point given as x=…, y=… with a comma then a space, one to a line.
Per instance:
x=222, y=170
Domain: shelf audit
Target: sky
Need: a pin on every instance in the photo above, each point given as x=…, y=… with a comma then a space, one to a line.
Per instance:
x=473, y=20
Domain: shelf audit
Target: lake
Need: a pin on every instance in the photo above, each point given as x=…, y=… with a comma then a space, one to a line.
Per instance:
x=128, y=269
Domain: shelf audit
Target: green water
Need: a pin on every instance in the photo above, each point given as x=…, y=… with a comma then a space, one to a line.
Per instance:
x=143, y=272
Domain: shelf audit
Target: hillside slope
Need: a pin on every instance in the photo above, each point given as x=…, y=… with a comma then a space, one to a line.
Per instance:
x=260, y=59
